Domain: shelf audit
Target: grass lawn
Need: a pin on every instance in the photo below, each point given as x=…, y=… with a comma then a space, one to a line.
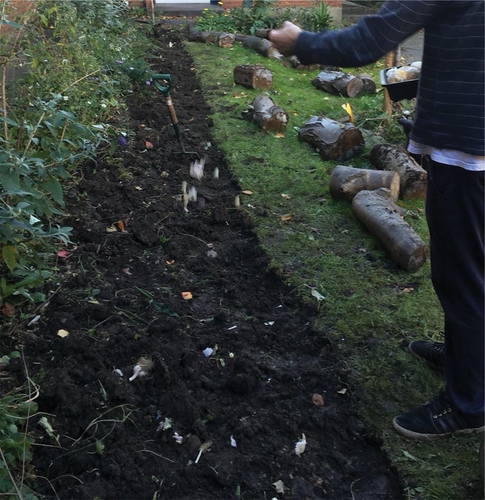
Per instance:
x=368, y=307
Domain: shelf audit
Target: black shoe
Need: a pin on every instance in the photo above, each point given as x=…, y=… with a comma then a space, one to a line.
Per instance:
x=435, y=419
x=432, y=352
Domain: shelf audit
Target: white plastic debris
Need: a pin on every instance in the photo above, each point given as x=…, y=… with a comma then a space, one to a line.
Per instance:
x=178, y=438
x=34, y=320
x=233, y=442
x=269, y=323
x=137, y=372
x=197, y=169
x=212, y=254
x=300, y=445
x=279, y=486
x=207, y=351
x=118, y=371
x=192, y=194
x=231, y=355
x=231, y=328
x=216, y=173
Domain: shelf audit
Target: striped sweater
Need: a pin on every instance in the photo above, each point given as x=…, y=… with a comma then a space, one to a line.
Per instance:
x=450, y=108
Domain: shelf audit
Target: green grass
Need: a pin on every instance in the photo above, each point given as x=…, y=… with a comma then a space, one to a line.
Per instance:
x=372, y=309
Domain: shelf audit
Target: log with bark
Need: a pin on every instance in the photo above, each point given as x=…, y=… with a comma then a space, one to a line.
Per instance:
x=211, y=37
x=261, y=45
x=338, y=83
x=253, y=76
x=413, y=176
x=295, y=62
x=369, y=83
x=269, y=116
x=226, y=40
x=346, y=182
x=332, y=139
x=380, y=215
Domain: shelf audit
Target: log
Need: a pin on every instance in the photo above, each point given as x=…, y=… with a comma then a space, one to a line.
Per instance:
x=226, y=40
x=338, y=83
x=413, y=176
x=261, y=45
x=295, y=62
x=268, y=115
x=369, y=83
x=253, y=76
x=380, y=215
x=332, y=139
x=346, y=182
x=262, y=33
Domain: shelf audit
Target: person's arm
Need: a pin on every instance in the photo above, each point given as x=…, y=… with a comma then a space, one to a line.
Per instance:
x=365, y=42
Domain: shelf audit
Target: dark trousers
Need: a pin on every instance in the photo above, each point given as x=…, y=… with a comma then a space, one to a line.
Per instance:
x=455, y=215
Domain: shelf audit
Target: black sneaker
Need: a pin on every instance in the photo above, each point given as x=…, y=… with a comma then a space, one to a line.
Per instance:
x=435, y=419
x=432, y=352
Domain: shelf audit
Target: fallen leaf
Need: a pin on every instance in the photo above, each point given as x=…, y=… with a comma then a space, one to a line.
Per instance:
x=148, y=145
x=63, y=254
x=138, y=188
x=317, y=399
x=279, y=136
x=126, y=270
x=121, y=225
x=246, y=191
x=342, y=391
x=62, y=333
x=286, y=217
x=7, y=310
x=111, y=229
x=191, y=120
x=186, y=295
x=286, y=196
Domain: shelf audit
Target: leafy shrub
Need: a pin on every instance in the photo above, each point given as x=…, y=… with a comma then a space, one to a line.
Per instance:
x=263, y=15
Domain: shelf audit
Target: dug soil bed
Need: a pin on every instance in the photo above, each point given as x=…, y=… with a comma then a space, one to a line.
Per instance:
x=122, y=296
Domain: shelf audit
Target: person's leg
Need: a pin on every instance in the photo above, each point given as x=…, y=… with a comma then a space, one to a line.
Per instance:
x=455, y=214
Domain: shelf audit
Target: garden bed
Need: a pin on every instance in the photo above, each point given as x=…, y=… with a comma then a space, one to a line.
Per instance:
x=135, y=252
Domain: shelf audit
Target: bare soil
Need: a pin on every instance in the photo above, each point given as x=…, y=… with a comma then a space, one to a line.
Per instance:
x=120, y=298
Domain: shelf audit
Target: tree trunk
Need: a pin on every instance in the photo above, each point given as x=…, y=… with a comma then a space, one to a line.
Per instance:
x=346, y=182
x=333, y=140
x=268, y=115
x=254, y=77
x=338, y=83
x=413, y=176
x=380, y=215
x=369, y=83
x=261, y=45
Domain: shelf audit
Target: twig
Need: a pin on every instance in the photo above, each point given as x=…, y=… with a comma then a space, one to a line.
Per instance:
x=352, y=486
x=17, y=491
x=157, y=454
x=195, y=237
x=80, y=79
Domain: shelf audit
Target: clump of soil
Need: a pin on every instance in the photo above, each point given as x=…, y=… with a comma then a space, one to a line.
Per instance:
x=120, y=298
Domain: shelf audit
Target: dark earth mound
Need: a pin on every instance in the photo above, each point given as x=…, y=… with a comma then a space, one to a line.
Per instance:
x=120, y=298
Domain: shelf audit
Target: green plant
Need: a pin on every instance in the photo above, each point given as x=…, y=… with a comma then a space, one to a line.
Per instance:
x=15, y=444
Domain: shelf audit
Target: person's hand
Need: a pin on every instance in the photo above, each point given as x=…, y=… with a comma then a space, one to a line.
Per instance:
x=285, y=38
